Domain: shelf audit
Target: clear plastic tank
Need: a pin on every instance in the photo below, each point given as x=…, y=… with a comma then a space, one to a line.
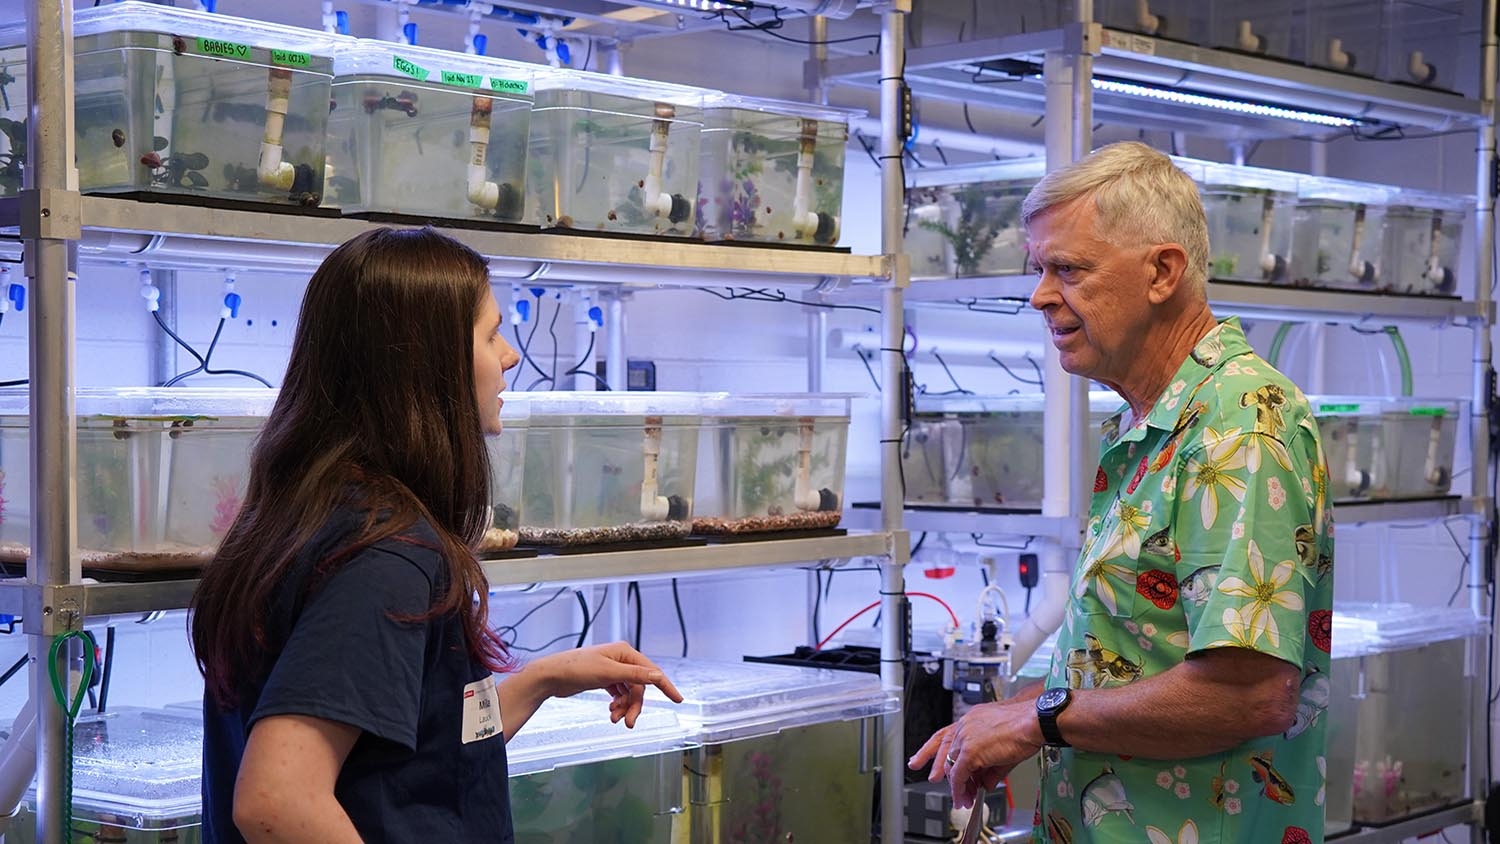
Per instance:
x=428, y=132
x=13, y=110
x=575, y=777
x=783, y=753
x=1388, y=448
x=776, y=463
x=1337, y=231
x=136, y=778
x=966, y=220
x=1178, y=20
x=212, y=106
x=772, y=171
x=1272, y=28
x=1344, y=693
x=605, y=468
x=1424, y=433
x=507, y=451
x=1419, y=41
x=993, y=455
x=1345, y=35
x=1359, y=463
x=1421, y=245
x=614, y=154
x=160, y=473
x=1414, y=672
x=1249, y=233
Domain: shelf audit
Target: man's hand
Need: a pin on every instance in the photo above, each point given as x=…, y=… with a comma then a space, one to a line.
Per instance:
x=982, y=748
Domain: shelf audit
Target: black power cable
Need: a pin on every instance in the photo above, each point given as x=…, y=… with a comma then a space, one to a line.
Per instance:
x=203, y=361
x=681, y=622
x=109, y=664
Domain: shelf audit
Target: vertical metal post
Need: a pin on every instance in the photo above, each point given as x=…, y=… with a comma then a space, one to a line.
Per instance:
x=817, y=364
x=614, y=342
x=893, y=645
x=163, y=349
x=49, y=226
x=1480, y=522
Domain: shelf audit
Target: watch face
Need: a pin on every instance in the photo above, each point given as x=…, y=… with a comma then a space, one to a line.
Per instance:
x=1052, y=698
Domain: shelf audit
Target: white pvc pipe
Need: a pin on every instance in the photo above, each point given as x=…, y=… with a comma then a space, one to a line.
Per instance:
x=482, y=192
x=272, y=171
x=18, y=760
x=655, y=201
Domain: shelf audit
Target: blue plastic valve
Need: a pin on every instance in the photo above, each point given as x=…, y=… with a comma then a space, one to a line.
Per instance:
x=523, y=308
x=596, y=316
x=410, y=33
x=480, y=43
x=17, y=296
x=232, y=302
x=341, y=21
x=538, y=292
x=208, y=5
x=564, y=55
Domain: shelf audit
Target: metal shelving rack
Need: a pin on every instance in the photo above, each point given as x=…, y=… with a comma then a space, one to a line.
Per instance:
x=59, y=228
x=1052, y=72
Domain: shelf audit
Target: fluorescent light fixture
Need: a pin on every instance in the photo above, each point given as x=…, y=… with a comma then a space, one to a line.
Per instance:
x=1187, y=98
x=828, y=8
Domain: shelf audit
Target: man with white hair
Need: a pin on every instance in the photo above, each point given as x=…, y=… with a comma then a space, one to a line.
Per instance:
x=1186, y=695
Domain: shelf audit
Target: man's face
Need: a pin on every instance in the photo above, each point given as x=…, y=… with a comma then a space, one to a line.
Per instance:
x=1093, y=294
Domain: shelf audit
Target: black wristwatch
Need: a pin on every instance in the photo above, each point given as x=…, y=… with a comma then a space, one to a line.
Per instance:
x=1049, y=705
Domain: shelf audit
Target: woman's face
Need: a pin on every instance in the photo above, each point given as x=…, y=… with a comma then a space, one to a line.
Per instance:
x=492, y=357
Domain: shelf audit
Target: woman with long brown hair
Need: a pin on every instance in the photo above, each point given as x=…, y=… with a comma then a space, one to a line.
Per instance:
x=342, y=628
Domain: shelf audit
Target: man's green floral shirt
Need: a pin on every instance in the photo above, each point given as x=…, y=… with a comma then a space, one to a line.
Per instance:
x=1210, y=527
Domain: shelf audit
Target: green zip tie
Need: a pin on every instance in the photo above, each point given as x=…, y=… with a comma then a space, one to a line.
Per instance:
x=60, y=692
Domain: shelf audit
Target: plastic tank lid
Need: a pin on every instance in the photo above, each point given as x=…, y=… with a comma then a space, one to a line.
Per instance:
x=570, y=731
x=1344, y=405
x=135, y=16
x=424, y=64
x=149, y=402
x=1382, y=628
x=622, y=86
x=564, y=403
x=1369, y=405
x=729, y=701
x=717, y=99
x=778, y=404
x=1100, y=401
x=1011, y=170
x=1318, y=190
x=1215, y=174
x=138, y=768
x=1424, y=202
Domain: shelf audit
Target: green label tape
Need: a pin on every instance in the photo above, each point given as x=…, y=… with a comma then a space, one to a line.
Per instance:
x=291, y=58
x=403, y=66
x=466, y=80
x=509, y=86
x=223, y=49
x=1429, y=411
x=1338, y=408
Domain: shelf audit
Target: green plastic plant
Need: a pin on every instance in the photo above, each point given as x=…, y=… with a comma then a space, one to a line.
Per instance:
x=978, y=223
x=13, y=163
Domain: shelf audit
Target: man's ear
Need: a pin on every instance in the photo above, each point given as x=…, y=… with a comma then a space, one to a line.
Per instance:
x=1168, y=263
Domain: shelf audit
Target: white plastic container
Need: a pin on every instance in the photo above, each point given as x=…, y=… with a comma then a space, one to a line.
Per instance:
x=1414, y=671
x=772, y=171
x=136, y=778
x=615, y=154
x=160, y=473
x=607, y=468
x=183, y=102
x=991, y=448
x=771, y=463
x=574, y=776
x=428, y=132
x=966, y=220
x=1423, y=233
x=783, y=754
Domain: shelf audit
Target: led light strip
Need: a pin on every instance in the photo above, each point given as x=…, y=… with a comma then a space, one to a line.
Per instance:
x=1237, y=106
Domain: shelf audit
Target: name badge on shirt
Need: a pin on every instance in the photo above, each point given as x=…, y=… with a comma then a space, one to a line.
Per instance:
x=481, y=711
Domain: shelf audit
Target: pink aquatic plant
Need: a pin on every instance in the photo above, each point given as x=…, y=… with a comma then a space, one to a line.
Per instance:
x=227, y=503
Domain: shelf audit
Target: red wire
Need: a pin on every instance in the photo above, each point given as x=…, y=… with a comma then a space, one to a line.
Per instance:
x=850, y=619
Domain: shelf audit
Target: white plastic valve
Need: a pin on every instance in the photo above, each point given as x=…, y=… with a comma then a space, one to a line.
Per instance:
x=654, y=507
x=330, y=20
x=805, y=497
x=1246, y=39
x=271, y=171
x=150, y=292
x=1338, y=57
x=656, y=202
x=1419, y=69
x=1144, y=19
x=224, y=311
x=482, y=192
